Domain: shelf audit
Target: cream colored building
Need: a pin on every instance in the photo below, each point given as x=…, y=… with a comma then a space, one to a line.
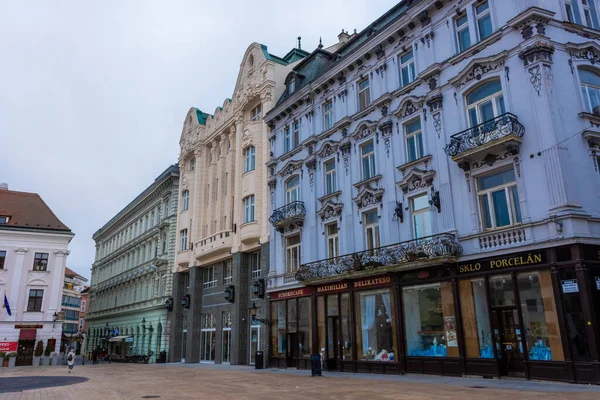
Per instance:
x=222, y=228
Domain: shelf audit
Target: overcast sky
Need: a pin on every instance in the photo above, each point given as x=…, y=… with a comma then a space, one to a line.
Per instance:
x=93, y=94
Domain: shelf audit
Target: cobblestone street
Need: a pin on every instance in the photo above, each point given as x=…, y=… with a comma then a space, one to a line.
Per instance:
x=173, y=381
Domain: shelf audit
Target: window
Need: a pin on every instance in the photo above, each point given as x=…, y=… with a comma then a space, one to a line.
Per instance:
x=330, y=177
x=295, y=140
x=35, y=300
x=226, y=338
x=250, y=159
x=498, y=199
x=414, y=140
x=485, y=103
x=83, y=305
x=293, y=253
x=226, y=182
x=183, y=234
x=292, y=85
x=484, y=20
x=249, y=209
x=476, y=319
x=590, y=90
x=376, y=326
x=192, y=164
x=333, y=249
x=256, y=113
x=228, y=275
x=3, y=219
x=462, y=32
x=421, y=216
x=208, y=341
x=254, y=261
x=164, y=243
x=287, y=139
x=407, y=68
x=2, y=259
x=367, y=153
x=569, y=11
x=40, y=262
x=209, y=279
x=292, y=190
x=364, y=94
x=185, y=197
x=430, y=321
x=587, y=13
x=371, y=222
x=328, y=115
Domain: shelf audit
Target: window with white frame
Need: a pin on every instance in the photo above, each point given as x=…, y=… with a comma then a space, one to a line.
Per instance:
x=421, y=216
x=254, y=261
x=228, y=272
x=371, y=223
x=569, y=10
x=249, y=209
x=292, y=189
x=290, y=138
x=330, y=177
x=582, y=12
x=485, y=102
x=292, y=85
x=293, y=253
x=250, y=159
x=367, y=154
x=414, y=140
x=586, y=11
x=208, y=338
x=463, y=35
x=209, y=278
x=192, y=165
x=333, y=245
x=185, y=200
x=183, y=242
x=590, y=90
x=484, y=20
x=473, y=24
x=295, y=134
x=364, y=94
x=328, y=115
x=407, y=68
x=498, y=199
x=256, y=113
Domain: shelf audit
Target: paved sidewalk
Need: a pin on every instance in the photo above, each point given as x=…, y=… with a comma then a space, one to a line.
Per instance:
x=214, y=382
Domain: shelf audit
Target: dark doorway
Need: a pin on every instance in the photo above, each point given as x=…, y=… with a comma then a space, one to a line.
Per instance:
x=25, y=353
x=333, y=344
x=292, y=350
x=509, y=341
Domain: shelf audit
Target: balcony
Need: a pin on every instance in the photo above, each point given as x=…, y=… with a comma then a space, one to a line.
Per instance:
x=214, y=245
x=290, y=214
x=502, y=132
x=401, y=254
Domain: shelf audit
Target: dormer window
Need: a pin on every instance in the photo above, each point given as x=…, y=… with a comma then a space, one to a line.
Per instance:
x=292, y=86
x=4, y=219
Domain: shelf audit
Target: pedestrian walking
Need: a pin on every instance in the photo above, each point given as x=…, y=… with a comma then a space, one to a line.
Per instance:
x=95, y=356
x=71, y=359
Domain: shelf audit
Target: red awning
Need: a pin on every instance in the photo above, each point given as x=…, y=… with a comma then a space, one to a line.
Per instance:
x=27, y=334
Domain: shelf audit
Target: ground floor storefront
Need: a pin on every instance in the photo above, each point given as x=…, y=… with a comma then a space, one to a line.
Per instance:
x=534, y=315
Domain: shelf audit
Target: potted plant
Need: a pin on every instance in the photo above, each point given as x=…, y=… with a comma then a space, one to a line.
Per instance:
x=47, y=354
x=12, y=359
x=37, y=353
x=4, y=359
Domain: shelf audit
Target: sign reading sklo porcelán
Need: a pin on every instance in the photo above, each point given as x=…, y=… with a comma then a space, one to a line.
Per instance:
x=513, y=260
x=288, y=294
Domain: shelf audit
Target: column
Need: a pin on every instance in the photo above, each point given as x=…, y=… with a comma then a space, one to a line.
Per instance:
x=239, y=332
x=14, y=290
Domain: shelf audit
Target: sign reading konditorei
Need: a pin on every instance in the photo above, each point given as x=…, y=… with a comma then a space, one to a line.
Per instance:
x=514, y=260
x=288, y=294
x=332, y=287
x=379, y=281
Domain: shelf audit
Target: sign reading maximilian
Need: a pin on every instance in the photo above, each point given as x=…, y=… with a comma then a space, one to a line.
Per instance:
x=513, y=260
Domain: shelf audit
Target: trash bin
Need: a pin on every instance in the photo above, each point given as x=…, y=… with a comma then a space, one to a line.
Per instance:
x=259, y=360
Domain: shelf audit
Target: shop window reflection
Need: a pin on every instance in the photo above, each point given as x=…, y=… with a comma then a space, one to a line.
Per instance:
x=502, y=290
x=539, y=316
x=430, y=320
x=575, y=320
x=346, y=324
x=375, y=327
x=304, y=327
x=278, y=329
x=476, y=319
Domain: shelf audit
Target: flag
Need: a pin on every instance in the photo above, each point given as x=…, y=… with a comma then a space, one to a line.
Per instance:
x=6, y=305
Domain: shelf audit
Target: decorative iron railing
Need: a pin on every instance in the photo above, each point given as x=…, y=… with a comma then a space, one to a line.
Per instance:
x=288, y=212
x=444, y=244
x=489, y=131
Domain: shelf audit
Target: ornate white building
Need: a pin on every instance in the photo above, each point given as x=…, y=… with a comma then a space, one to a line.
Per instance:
x=130, y=293
x=222, y=245
x=33, y=254
x=434, y=192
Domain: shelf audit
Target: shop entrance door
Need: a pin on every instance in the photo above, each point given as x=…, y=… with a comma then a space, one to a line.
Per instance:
x=25, y=353
x=333, y=343
x=509, y=341
x=292, y=350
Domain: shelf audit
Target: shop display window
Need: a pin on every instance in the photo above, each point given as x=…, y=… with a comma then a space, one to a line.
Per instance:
x=539, y=316
x=575, y=320
x=375, y=326
x=502, y=291
x=304, y=327
x=321, y=323
x=430, y=320
x=346, y=324
x=278, y=324
x=475, y=319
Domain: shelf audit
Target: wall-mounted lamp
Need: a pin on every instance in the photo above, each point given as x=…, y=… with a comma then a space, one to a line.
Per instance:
x=54, y=318
x=150, y=328
x=258, y=288
x=253, y=315
x=169, y=304
x=229, y=293
x=185, y=301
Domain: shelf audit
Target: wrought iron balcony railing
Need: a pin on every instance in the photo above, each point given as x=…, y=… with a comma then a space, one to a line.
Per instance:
x=487, y=132
x=290, y=212
x=442, y=245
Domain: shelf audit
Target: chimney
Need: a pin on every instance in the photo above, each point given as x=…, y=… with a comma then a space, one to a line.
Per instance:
x=3, y=186
x=343, y=37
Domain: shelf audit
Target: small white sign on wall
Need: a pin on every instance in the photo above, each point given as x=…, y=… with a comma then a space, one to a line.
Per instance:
x=598, y=283
x=570, y=286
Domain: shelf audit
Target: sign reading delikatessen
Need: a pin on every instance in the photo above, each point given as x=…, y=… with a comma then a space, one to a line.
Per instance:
x=332, y=287
x=514, y=260
x=288, y=294
x=379, y=281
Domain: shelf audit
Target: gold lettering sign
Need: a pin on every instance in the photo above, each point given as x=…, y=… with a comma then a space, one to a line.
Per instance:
x=333, y=287
x=373, y=282
x=506, y=262
x=292, y=293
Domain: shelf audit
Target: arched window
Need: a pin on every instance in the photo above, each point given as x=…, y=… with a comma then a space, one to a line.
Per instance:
x=590, y=89
x=485, y=102
x=292, y=189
